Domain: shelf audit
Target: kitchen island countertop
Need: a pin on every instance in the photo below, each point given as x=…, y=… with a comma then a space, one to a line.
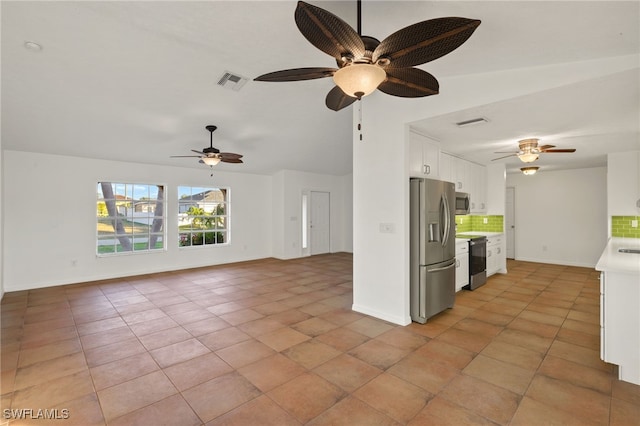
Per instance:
x=614, y=261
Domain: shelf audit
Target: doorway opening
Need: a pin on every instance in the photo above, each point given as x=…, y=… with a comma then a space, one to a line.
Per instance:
x=510, y=222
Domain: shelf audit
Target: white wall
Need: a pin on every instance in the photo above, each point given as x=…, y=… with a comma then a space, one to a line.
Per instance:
x=294, y=184
x=50, y=220
x=49, y=237
x=347, y=224
x=1, y=226
x=561, y=216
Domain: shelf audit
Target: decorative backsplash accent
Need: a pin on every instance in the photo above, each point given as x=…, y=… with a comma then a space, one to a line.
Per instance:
x=468, y=223
x=621, y=226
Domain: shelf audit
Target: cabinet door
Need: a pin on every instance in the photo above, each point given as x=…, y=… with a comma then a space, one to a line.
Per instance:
x=477, y=178
x=461, y=168
x=623, y=183
x=415, y=156
x=424, y=156
x=446, y=164
x=462, y=266
x=431, y=158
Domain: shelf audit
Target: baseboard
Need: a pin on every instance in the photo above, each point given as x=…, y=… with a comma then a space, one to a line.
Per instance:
x=381, y=315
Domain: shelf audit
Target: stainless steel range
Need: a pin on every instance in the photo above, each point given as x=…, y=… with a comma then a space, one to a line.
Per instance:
x=477, y=260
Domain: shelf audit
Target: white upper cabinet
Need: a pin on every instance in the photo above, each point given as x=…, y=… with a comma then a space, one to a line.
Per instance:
x=496, y=189
x=467, y=177
x=478, y=187
x=462, y=170
x=446, y=167
x=424, y=156
x=623, y=183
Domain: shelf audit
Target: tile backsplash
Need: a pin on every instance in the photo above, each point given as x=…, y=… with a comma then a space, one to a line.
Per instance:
x=467, y=223
x=621, y=226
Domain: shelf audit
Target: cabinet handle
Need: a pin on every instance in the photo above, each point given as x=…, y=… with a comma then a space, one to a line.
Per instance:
x=638, y=203
x=499, y=251
x=457, y=263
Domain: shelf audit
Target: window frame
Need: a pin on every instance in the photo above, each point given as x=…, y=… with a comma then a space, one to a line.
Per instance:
x=135, y=237
x=211, y=229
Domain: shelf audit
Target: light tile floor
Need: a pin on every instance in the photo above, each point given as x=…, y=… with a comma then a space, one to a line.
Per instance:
x=275, y=343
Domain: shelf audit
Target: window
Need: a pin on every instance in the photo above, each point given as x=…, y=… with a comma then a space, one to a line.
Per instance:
x=203, y=216
x=130, y=218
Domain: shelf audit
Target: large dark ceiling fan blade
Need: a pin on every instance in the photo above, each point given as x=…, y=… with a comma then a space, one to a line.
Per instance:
x=337, y=99
x=297, y=74
x=559, y=150
x=409, y=83
x=229, y=156
x=327, y=32
x=231, y=160
x=425, y=41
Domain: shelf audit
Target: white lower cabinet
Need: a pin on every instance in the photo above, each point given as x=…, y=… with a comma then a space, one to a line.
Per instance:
x=620, y=323
x=462, y=264
x=496, y=254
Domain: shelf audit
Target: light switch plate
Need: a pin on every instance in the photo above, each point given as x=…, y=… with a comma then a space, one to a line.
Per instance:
x=387, y=228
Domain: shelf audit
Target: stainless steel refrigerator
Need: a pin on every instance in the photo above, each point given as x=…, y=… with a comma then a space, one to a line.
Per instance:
x=432, y=248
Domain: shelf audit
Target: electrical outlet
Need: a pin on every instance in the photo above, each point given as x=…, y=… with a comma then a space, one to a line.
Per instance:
x=634, y=223
x=485, y=220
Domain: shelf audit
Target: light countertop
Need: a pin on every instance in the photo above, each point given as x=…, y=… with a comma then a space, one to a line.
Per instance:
x=612, y=260
x=486, y=234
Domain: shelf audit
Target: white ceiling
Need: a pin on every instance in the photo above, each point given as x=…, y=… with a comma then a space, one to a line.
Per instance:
x=137, y=81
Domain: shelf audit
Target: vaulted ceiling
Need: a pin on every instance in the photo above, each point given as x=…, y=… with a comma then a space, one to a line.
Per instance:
x=138, y=81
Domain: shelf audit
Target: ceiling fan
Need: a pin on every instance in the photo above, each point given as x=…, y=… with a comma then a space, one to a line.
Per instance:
x=212, y=156
x=366, y=64
x=529, y=150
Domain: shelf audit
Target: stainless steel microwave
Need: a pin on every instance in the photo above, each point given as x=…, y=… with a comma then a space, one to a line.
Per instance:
x=462, y=203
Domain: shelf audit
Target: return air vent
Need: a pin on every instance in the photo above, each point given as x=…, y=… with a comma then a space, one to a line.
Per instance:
x=471, y=122
x=232, y=81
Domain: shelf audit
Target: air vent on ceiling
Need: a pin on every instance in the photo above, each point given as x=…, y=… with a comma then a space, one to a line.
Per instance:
x=232, y=81
x=472, y=122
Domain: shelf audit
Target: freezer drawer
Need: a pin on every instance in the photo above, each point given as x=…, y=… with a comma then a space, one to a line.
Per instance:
x=433, y=290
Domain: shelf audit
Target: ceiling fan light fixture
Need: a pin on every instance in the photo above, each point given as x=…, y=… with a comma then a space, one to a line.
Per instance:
x=210, y=161
x=528, y=157
x=358, y=80
x=529, y=170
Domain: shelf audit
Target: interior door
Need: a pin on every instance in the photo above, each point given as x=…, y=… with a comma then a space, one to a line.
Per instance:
x=319, y=223
x=510, y=222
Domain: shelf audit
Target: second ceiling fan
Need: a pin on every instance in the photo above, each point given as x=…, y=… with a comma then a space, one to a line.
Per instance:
x=366, y=64
x=529, y=150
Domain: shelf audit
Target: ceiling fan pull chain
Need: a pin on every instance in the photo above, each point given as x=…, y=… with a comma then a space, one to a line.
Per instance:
x=360, y=119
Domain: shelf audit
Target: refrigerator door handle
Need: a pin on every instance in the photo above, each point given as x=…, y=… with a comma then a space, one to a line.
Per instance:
x=444, y=268
x=444, y=217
